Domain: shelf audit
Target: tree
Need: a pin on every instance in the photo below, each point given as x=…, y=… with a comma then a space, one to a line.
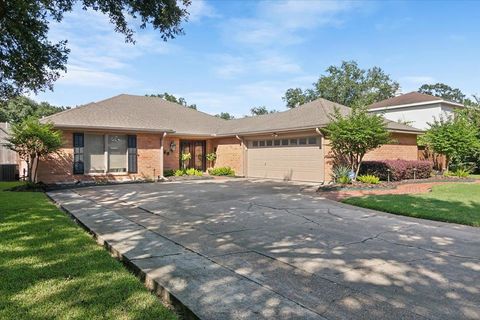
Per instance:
x=356, y=133
x=454, y=137
x=346, y=84
x=172, y=98
x=258, y=111
x=34, y=141
x=443, y=91
x=20, y=108
x=29, y=61
x=225, y=115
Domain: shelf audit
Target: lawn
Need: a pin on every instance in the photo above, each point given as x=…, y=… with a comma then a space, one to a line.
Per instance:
x=52, y=269
x=458, y=203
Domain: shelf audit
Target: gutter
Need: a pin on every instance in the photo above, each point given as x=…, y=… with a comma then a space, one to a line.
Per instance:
x=104, y=128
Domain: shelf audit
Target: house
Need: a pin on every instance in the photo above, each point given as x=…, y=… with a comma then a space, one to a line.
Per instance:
x=137, y=137
x=9, y=160
x=414, y=108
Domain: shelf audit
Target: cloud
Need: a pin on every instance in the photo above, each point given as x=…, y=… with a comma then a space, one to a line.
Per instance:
x=88, y=77
x=200, y=9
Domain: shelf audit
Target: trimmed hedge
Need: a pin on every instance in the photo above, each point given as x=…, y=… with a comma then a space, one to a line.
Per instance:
x=221, y=171
x=399, y=169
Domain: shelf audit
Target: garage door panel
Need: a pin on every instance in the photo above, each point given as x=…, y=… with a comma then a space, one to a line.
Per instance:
x=302, y=163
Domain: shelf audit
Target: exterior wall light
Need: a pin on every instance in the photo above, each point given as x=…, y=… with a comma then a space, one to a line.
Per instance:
x=173, y=146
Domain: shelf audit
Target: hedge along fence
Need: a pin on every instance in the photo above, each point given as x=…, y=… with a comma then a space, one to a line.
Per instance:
x=399, y=169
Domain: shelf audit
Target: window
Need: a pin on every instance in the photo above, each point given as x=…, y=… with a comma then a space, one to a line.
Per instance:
x=255, y=143
x=293, y=141
x=261, y=143
x=284, y=142
x=117, y=153
x=276, y=142
x=302, y=141
x=312, y=140
x=132, y=154
x=269, y=143
x=94, y=153
x=78, y=144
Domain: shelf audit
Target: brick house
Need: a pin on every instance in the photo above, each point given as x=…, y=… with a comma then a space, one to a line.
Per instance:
x=129, y=137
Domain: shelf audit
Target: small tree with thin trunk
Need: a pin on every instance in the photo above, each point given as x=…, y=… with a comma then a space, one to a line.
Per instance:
x=34, y=141
x=352, y=135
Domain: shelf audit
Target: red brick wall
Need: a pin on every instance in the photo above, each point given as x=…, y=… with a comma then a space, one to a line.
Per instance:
x=230, y=153
x=59, y=167
x=171, y=159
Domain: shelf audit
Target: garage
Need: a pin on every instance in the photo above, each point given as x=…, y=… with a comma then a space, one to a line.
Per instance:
x=286, y=158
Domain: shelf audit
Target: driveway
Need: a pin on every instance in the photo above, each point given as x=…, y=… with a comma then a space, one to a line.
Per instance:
x=241, y=249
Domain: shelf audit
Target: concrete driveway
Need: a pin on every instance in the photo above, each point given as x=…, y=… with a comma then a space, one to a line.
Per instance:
x=241, y=249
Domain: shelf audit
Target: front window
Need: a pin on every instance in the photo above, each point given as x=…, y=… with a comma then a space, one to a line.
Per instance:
x=105, y=153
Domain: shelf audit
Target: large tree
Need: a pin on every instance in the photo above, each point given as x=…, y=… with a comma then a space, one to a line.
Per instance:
x=174, y=99
x=354, y=134
x=443, y=91
x=346, y=84
x=29, y=61
x=34, y=141
x=225, y=116
x=258, y=111
x=457, y=138
x=20, y=108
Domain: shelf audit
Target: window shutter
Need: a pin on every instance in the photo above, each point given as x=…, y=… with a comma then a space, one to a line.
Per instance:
x=132, y=154
x=78, y=145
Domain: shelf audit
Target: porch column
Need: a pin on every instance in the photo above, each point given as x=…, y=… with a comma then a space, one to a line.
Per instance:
x=162, y=140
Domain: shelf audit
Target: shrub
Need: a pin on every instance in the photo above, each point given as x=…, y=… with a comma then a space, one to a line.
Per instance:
x=399, y=169
x=179, y=173
x=168, y=173
x=368, y=178
x=221, y=171
x=461, y=173
x=341, y=174
x=188, y=172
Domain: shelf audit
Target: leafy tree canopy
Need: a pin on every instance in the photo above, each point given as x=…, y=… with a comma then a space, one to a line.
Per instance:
x=29, y=61
x=353, y=135
x=346, y=84
x=258, y=111
x=443, y=91
x=455, y=137
x=172, y=98
x=32, y=141
x=225, y=115
x=20, y=108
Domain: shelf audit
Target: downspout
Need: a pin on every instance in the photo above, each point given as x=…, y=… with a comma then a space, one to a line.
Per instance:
x=160, y=176
x=322, y=136
x=244, y=151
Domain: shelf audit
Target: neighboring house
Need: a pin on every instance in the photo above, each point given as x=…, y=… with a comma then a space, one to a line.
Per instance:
x=136, y=137
x=414, y=108
x=9, y=159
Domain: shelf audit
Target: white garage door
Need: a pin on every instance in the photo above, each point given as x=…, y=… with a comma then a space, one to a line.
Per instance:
x=298, y=159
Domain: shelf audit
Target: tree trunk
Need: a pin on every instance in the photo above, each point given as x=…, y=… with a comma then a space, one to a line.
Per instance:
x=30, y=168
x=35, y=163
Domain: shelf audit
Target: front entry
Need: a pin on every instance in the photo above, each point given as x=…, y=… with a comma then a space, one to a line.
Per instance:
x=197, y=148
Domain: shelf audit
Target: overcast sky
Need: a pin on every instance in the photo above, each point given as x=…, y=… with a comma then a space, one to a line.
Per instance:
x=240, y=54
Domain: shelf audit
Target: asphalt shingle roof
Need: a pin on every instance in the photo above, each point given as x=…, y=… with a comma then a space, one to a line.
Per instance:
x=407, y=98
x=141, y=113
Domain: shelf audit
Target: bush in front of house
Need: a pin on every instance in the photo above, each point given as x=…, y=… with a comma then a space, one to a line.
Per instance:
x=221, y=171
x=369, y=179
x=341, y=174
x=399, y=169
x=188, y=172
x=168, y=173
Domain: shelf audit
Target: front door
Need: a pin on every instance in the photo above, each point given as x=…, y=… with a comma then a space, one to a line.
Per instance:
x=197, y=149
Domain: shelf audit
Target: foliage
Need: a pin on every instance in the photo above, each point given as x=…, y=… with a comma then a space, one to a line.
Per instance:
x=341, y=173
x=20, y=108
x=52, y=269
x=368, y=178
x=356, y=133
x=221, y=171
x=211, y=156
x=461, y=173
x=455, y=137
x=184, y=158
x=258, y=111
x=397, y=169
x=170, y=97
x=168, y=173
x=461, y=170
x=34, y=141
x=348, y=85
x=443, y=91
x=453, y=202
x=188, y=172
x=225, y=116
x=29, y=61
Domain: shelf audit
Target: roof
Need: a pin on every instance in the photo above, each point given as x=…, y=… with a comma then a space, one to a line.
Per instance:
x=409, y=99
x=141, y=113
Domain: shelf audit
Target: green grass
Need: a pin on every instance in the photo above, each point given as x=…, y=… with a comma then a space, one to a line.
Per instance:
x=458, y=203
x=52, y=269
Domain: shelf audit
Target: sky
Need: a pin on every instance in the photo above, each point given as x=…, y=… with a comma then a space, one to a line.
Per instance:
x=236, y=55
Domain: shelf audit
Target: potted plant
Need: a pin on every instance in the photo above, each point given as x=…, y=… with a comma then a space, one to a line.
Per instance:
x=185, y=157
x=211, y=157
